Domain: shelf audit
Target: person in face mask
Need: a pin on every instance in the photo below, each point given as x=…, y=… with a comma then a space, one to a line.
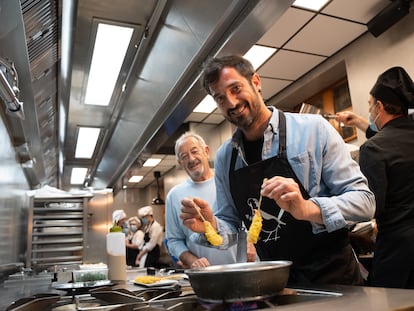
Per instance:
x=387, y=160
x=150, y=253
x=134, y=240
x=119, y=217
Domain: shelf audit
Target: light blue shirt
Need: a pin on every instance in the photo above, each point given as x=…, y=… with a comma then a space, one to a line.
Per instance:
x=180, y=238
x=320, y=160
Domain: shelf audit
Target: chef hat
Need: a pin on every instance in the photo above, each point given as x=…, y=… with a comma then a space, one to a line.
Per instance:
x=118, y=214
x=395, y=87
x=135, y=219
x=144, y=211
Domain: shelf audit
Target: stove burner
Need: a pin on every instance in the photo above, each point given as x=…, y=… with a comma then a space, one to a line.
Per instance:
x=285, y=297
x=236, y=306
x=74, y=306
x=188, y=301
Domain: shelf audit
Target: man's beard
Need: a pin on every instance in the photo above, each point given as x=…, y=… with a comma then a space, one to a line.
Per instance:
x=243, y=123
x=198, y=173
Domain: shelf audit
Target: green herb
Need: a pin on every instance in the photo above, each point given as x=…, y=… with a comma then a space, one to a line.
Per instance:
x=115, y=228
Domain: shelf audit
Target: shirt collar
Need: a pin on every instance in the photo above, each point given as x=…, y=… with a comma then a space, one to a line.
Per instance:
x=272, y=128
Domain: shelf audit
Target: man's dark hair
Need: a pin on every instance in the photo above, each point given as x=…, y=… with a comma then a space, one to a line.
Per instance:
x=212, y=68
x=394, y=109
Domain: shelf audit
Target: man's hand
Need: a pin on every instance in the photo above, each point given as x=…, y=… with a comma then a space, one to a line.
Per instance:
x=287, y=195
x=200, y=262
x=190, y=216
x=349, y=118
x=251, y=252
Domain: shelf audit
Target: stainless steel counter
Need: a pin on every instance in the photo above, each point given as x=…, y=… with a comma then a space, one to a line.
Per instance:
x=359, y=298
x=353, y=298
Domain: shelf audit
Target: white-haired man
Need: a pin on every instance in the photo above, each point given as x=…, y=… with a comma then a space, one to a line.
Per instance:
x=192, y=155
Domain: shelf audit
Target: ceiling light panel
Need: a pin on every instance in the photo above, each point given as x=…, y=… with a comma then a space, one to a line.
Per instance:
x=151, y=162
x=135, y=179
x=86, y=142
x=111, y=44
x=314, y=5
x=78, y=175
x=207, y=105
x=258, y=54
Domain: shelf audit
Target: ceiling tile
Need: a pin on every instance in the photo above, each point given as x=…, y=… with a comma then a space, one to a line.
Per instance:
x=321, y=35
x=214, y=118
x=195, y=117
x=289, y=65
x=270, y=87
x=285, y=27
x=365, y=11
x=169, y=161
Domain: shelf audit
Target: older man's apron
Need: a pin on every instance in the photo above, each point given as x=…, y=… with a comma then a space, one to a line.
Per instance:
x=317, y=258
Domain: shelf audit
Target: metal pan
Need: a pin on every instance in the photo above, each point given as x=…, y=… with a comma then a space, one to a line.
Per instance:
x=239, y=282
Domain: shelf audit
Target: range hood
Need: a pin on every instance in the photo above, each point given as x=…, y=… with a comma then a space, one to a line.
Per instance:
x=156, y=90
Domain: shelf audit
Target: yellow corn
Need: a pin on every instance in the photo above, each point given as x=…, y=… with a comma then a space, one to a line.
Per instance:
x=255, y=227
x=147, y=279
x=212, y=236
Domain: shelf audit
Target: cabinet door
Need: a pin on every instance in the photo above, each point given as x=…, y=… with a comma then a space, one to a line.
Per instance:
x=331, y=100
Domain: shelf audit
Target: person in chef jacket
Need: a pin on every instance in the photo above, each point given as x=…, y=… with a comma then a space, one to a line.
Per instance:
x=387, y=160
x=192, y=154
x=121, y=219
x=134, y=240
x=150, y=253
x=312, y=190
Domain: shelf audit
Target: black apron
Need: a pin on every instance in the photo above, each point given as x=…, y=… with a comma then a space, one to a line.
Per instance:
x=153, y=256
x=131, y=255
x=317, y=258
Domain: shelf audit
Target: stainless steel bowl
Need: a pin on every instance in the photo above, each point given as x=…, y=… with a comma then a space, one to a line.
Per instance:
x=239, y=282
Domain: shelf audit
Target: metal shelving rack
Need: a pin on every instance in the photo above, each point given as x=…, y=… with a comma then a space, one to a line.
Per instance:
x=57, y=229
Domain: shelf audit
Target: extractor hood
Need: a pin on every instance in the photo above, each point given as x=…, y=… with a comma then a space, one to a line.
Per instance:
x=51, y=44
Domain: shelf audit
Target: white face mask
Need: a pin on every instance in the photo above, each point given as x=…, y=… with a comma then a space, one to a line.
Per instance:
x=371, y=121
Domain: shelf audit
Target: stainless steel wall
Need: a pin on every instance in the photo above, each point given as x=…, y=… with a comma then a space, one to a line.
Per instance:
x=13, y=203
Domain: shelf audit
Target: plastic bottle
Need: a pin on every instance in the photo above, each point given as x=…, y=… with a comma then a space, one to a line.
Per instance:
x=115, y=249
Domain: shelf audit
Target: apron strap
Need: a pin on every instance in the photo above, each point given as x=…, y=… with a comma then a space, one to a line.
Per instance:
x=282, y=135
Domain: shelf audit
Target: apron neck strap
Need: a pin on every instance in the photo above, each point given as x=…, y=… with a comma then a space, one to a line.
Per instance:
x=282, y=135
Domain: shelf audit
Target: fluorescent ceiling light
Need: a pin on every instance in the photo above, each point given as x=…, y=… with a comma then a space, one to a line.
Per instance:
x=151, y=162
x=314, y=5
x=111, y=44
x=78, y=175
x=207, y=105
x=258, y=54
x=135, y=179
x=86, y=143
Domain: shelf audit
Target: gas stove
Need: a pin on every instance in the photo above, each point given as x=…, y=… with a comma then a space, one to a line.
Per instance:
x=175, y=298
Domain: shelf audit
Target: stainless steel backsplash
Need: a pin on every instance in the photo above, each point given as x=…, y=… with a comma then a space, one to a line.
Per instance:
x=13, y=205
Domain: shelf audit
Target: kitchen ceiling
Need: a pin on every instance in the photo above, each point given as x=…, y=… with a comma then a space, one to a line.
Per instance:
x=158, y=84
